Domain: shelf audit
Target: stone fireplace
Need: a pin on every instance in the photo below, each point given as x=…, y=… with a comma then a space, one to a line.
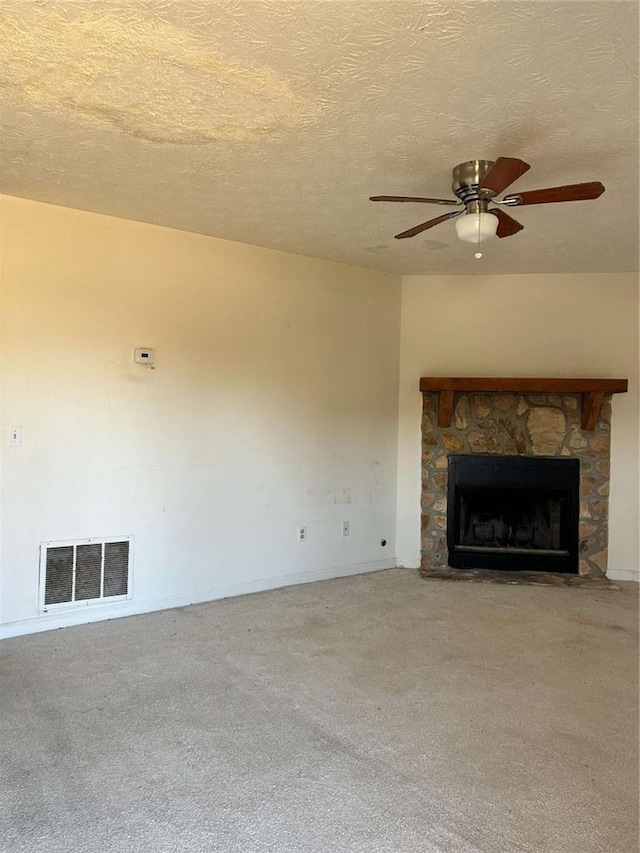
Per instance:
x=560, y=421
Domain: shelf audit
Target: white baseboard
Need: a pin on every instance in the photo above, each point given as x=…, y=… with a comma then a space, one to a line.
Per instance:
x=408, y=562
x=623, y=575
x=53, y=621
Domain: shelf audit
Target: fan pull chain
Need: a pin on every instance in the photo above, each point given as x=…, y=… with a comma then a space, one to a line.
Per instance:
x=478, y=253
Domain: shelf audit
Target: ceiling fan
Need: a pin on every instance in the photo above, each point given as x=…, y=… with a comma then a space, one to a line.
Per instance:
x=476, y=183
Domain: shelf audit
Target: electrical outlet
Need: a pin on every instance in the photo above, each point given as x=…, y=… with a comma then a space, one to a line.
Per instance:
x=346, y=528
x=302, y=534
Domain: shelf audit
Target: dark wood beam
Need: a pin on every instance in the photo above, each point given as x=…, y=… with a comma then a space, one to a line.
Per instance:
x=510, y=385
x=592, y=390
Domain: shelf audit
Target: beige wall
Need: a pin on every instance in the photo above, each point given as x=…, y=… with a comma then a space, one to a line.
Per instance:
x=273, y=405
x=535, y=325
x=274, y=402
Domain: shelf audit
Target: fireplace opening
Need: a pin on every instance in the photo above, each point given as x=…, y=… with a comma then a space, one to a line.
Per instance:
x=513, y=513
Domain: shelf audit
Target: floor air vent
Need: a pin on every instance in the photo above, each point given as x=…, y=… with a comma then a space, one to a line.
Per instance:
x=85, y=571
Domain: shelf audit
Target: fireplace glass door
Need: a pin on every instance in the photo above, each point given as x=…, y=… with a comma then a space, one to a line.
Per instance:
x=513, y=513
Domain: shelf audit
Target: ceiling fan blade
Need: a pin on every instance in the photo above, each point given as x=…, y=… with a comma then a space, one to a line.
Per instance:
x=507, y=225
x=417, y=229
x=571, y=192
x=503, y=173
x=411, y=198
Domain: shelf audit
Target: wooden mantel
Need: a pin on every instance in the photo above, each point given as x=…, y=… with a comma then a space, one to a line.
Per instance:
x=592, y=390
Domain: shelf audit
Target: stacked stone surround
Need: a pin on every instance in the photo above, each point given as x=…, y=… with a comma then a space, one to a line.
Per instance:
x=517, y=425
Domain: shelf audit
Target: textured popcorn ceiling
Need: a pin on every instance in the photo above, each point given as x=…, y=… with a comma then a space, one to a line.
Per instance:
x=272, y=122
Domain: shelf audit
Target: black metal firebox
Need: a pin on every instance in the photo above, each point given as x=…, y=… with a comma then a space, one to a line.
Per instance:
x=513, y=513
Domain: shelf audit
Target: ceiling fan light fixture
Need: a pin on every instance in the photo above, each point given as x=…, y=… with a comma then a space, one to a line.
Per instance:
x=476, y=227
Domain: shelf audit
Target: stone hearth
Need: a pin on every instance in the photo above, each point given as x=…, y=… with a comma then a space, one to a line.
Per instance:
x=520, y=424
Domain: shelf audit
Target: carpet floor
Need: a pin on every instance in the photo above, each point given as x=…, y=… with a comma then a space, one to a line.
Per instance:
x=375, y=713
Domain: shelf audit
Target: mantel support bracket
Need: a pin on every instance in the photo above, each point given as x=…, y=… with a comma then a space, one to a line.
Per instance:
x=591, y=405
x=445, y=408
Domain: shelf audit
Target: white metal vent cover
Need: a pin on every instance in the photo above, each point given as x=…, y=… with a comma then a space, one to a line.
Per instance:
x=84, y=571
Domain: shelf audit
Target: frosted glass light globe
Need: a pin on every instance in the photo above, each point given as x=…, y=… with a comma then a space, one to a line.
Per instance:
x=476, y=227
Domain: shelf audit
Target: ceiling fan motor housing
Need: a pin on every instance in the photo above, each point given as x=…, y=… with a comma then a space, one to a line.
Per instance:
x=467, y=178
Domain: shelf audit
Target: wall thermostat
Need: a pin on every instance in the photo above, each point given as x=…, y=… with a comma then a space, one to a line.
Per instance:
x=144, y=355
